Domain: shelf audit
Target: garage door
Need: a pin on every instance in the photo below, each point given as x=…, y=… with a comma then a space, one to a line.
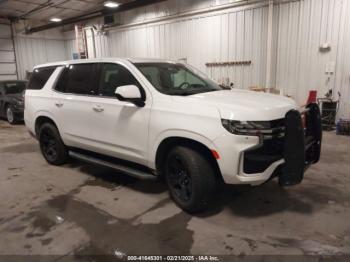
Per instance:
x=7, y=54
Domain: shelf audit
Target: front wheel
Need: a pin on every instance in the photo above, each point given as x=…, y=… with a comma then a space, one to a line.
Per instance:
x=190, y=178
x=51, y=145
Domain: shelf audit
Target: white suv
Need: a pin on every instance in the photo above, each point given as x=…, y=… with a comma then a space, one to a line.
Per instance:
x=149, y=118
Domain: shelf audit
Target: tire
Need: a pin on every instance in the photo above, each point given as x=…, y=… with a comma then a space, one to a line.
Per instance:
x=10, y=116
x=51, y=145
x=190, y=177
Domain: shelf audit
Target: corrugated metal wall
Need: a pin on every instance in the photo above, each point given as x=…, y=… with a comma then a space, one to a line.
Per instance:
x=231, y=34
x=7, y=54
x=33, y=51
x=235, y=35
x=301, y=66
x=70, y=48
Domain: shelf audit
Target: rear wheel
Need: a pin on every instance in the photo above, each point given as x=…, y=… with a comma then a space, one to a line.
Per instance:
x=190, y=178
x=51, y=145
x=10, y=115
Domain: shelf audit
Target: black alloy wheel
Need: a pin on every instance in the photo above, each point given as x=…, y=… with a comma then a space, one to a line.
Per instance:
x=51, y=145
x=190, y=177
x=179, y=178
x=48, y=144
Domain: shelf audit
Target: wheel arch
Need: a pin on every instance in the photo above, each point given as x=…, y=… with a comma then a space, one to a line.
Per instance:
x=40, y=120
x=170, y=142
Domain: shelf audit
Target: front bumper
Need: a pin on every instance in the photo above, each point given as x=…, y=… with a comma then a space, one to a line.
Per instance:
x=254, y=160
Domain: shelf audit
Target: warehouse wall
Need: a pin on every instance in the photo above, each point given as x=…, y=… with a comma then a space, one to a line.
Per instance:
x=34, y=51
x=38, y=48
x=229, y=34
x=240, y=33
x=301, y=66
x=7, y=54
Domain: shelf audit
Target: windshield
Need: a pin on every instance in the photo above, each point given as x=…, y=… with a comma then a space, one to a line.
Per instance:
x=15, y=87
x=177, y=79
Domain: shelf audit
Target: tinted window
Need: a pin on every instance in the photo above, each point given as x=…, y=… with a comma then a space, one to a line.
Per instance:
x=77, y=79
x=113, y=76
x=39, y=77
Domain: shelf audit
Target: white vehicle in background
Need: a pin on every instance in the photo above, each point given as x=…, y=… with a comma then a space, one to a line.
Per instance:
x=149, y=118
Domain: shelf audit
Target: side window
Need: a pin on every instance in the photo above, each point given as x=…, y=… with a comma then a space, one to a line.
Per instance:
x=39, y=77
x=77, y=79
x=2, y=90
x=112, y=76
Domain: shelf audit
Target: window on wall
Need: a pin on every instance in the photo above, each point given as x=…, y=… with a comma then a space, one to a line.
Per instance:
x=39, y=77
x=77, y=79
x=112, y=76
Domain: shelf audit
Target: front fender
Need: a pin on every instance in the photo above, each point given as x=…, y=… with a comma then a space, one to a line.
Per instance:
x=179, y=133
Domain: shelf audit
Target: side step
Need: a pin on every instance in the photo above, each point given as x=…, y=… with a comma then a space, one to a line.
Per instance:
x=121, y=168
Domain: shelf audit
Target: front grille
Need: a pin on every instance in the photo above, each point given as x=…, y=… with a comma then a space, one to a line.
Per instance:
x=258, y=159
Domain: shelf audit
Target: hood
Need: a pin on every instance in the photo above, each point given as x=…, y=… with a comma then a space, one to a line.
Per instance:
x=246, y=105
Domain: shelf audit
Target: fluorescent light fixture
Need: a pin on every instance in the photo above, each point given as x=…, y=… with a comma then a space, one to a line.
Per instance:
x=111, y=4
x=55, y=19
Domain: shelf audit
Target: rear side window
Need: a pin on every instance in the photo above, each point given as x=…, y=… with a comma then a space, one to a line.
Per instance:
x=39, y=77
x=77, y=79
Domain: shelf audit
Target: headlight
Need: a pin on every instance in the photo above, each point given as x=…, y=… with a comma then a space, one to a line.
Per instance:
x=252, y=128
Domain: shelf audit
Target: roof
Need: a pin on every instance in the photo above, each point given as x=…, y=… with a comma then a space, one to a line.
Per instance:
x=149, y=60
x=105, y=59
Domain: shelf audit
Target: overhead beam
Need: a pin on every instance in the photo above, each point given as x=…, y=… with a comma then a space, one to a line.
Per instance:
x=95, y=14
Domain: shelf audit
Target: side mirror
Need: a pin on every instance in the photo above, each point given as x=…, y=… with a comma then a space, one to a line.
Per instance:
x=129, y=93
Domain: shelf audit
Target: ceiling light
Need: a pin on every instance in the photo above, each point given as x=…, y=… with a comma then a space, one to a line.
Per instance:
x=55, y=19
x=111, y=4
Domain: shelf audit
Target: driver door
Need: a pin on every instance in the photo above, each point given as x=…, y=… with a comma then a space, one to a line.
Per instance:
x=119, y=128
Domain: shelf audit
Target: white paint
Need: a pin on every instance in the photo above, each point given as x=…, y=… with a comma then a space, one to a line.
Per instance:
x=197, y=117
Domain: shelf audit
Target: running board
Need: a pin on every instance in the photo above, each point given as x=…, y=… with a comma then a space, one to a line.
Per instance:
x=121, y=168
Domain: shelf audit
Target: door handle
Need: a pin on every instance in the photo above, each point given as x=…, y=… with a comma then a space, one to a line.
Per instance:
x=98, y=109
x=59, y=104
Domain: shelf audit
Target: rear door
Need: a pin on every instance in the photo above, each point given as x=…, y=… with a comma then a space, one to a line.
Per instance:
x=72, y=103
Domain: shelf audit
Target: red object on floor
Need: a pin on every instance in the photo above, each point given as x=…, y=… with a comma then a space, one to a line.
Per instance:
x=312, y=97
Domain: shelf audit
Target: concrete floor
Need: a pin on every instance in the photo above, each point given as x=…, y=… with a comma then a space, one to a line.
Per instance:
x=83, y=209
